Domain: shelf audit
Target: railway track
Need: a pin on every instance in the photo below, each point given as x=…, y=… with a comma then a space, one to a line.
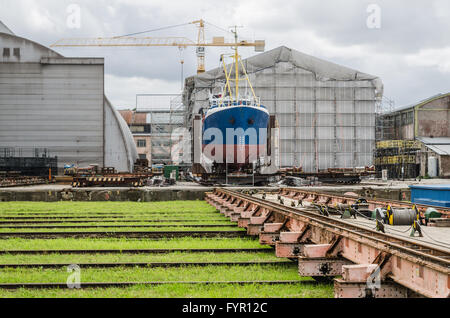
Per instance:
x=107, y=271
x=156, y=283
x=109, y=226
x=103, y=214
x=125, y=234
x=146, y=264
x=115, y=221
x=140, y=251
x=32, y=218
x=329, y=198
x=325, y=242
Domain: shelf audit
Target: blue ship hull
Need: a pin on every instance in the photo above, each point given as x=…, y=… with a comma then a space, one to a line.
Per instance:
x=249, y=118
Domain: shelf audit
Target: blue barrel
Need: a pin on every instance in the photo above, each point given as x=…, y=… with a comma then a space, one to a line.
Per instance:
x=437, y=195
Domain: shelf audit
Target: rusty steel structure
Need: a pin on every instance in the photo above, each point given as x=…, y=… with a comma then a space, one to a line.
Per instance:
x=134, y=180
x=18, y=181
x=367, y=263
x=333, y=199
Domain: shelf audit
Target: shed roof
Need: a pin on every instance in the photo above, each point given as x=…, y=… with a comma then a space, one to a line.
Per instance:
x=440, y=145
x=5, y=29
x=421, y=103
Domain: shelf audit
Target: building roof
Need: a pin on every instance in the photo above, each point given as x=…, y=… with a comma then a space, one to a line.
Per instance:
x=442, y=150
x=440, y=145
x=115, y=126
x=421, y=103
x=444, y=187
x=5, y=29
x=323, y=70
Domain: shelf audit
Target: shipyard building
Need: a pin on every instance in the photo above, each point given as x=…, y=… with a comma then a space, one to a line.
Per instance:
x=58, y=103
x=326, y=112
x=414, y=140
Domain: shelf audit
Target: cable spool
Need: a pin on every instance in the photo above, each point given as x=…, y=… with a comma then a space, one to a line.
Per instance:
x=401, y=216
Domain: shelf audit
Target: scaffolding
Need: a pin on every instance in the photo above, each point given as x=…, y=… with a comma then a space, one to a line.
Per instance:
x=398, y=158
x=384, y=125
x=326, y=112
x=28, y=161
x=165, y=115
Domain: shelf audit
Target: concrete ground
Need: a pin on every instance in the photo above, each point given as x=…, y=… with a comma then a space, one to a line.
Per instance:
x=369, y=183
x=403, y=184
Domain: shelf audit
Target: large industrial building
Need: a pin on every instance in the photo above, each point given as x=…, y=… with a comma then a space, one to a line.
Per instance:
x=58, y=103
x=326, y=112
x=427, y=123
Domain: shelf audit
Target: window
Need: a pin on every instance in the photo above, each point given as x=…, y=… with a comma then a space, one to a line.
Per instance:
x=409, y=118
x=398, y=121
x=142, y=156
x=137, y=129
x=145, y=128
x=6, y=52
x=141, y=143
x=16, y=52
x=404, y=119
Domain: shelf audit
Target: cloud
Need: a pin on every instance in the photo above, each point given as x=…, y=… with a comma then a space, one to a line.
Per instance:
x=435, y=58
x=122, y=91
x=412, y=43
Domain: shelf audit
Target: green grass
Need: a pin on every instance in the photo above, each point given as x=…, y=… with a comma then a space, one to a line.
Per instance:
x=128, y=207
x=124, y=229
x=100, y=215
x=200, y=219
x=124, y=274
x=147, y=258
x=118, y=222
x=196, y=212
x=182, y=291
x=149, y=224
x=126, y=243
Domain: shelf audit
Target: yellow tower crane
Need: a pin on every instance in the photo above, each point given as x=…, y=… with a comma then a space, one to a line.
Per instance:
x=180, y=42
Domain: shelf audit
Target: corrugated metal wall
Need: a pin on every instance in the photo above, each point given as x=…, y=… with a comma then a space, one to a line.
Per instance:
x=59, y=107
x=49, y=101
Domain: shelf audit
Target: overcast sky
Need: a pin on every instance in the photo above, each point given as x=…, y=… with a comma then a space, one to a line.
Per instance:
x=410, y=51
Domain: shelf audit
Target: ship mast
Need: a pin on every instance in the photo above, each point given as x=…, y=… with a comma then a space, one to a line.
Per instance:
x=228, y=74
x=236, y=62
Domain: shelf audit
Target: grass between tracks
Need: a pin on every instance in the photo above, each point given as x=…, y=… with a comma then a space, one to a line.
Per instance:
x=123, y=229
x=147, y=258
x=158, y=224
x=197, y=212
x=124, y=274
x=97, y=207
x=182, y=291
x=118, y=222
x=126, y=243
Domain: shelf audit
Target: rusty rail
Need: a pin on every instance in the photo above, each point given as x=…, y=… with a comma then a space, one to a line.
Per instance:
x=346, y=199
x=138, y=251
x=127, y=234
x=420, y=267
x=147, y=264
